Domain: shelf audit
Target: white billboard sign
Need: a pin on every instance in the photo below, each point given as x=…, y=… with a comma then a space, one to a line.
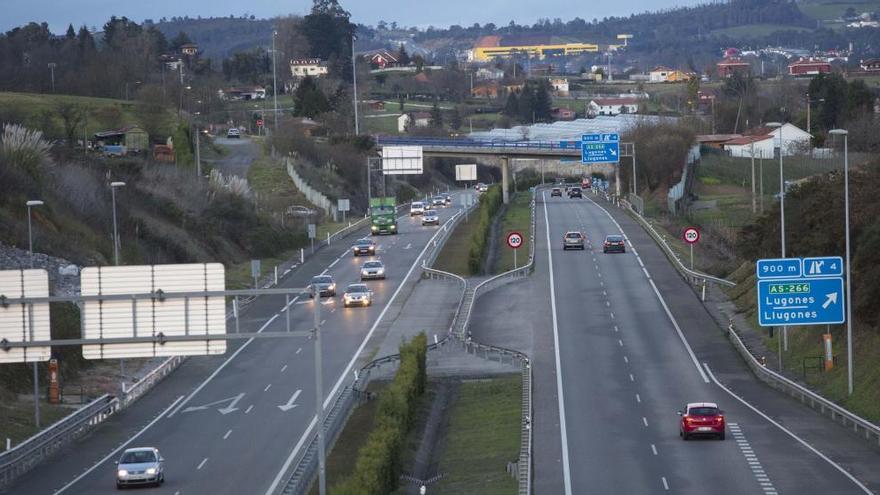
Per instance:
x=171, y=316
x=402, y=160
x=466, y=172
x=344, y=205
x=17, y=320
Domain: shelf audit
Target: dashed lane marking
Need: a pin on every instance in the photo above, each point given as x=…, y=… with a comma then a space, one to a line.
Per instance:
x=201, y=464
x=752, y=460
x=654, y=449
x=249, y=409
x=227, y=434
x=665, y=484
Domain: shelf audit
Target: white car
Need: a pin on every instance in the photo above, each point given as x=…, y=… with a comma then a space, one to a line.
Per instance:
x=372, y=270
x=233, y=133
x=431, y=217
x=357, y=295
x=140, y=466
x=417, y=208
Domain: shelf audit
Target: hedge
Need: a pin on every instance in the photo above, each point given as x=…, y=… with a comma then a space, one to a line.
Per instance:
x=489, y=204
x=377, y=468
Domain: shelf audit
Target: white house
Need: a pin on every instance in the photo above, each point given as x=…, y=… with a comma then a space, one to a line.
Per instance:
x=613, y=106
x=489, y=74
x=308, y=67
x=559, y=85
x=415, y=119
x=794, y=139
x=660, y=74
x=745, y=146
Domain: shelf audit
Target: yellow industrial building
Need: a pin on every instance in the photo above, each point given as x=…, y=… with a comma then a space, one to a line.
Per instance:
x=488, y=48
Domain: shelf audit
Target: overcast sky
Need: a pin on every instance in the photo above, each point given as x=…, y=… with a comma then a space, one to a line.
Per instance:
x=60, y=13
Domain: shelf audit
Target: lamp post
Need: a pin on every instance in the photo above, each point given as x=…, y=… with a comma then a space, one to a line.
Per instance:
x=52, y=66
x=778, y=125
x=354, y=80
x=752, y=155
x=113, y=186
x=849, y=342
x=274, y=84
x=32, y=204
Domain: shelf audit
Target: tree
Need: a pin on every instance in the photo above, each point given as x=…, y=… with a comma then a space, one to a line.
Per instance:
x=436, y=117
x=179, y=40
x=455, y=119
x=72, y=115
x=330, y=35
x=419, y=62
x=402, y=56
x=511, y=106
x=308, y=99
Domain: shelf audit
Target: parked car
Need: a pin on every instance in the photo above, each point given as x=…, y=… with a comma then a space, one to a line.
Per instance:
x=431, y=217
x=701, y=418
x=324, y=284
x=373, y=269
x=140, y=466
x=614, y=244
x=573, y=240
x=357, y=295
x=365, y=246
x=416, y=208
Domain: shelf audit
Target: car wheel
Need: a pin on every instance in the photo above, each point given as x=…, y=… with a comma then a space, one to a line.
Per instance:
x=311, y=296
x=344, y=305
x=685, y=437
x=118, y=486
x=721, y=436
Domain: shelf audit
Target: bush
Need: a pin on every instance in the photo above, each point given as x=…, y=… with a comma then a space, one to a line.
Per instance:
x=489, y=204
x=377, y=469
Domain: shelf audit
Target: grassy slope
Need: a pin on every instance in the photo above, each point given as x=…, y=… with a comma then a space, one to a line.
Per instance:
x=483, y=437
x=517, y=218
x=454, y=256
x=829, y=10
x=756, y=30
x=33, y=104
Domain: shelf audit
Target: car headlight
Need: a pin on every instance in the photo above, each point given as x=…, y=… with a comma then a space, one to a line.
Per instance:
x=331, y=287
x=122, y=473
x=394, y=227
x=374, y=228
x=380, y=271
x=151, y=470
x=364, y=272
x=372, y=248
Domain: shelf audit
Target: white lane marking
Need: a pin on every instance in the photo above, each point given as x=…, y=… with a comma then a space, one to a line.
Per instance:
x=620, y=342
x=220, y=368
x=645, y=420
x=632, y=378
x=303, y=302
x=625, y=359
x=750, y=456
x=566, y=475
x=299, y=350
x=601, y=283
x=267, y=387
x=638, y=399
x=323, y=322
x=612, y=316
x=227, y=434
x=788, y=432
x=615, y=328
x=202, y=463
x=295, y=299
x=654, y=449
x=333, y=310
x=347, y=372
x=124, y=445
x=332, y=264
x=283, y=368
x=665, y=484
x=249, y=409
x=607, y=304
x=662, y=302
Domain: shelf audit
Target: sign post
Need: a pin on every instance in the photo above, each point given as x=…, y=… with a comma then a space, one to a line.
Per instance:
x=343, y=206
x=313, y=232
x=515, y=241
x=602, y=148
x=692, y=236
x=255, y=272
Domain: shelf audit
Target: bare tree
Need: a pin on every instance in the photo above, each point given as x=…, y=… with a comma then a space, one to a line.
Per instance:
x=72, y=115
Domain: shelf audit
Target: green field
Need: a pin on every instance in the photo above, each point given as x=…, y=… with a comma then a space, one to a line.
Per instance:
x=834, y=9
x=454, y=256
x=483, y=436
x=36, y=108
x=517, y=218
x=756, y=30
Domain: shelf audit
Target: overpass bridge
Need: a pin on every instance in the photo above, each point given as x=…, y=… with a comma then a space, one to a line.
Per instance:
x=502, y=150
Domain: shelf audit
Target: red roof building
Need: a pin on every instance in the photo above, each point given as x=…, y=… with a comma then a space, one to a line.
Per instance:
x=808, y=67
x=729, y=66
x=382, y=59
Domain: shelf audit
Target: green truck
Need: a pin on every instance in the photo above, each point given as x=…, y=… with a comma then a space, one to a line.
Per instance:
x=383, y=216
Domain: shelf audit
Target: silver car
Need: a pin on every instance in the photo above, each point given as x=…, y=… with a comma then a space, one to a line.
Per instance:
x=140, y=466
x=573, y=240
x=431, y=218
x=357, y=295
x=324, y=284
x=372, y=270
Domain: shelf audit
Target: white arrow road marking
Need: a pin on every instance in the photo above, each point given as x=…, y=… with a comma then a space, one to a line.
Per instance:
x=408, y=246
x=290, y=404
x=830, y=299
x=226, y=410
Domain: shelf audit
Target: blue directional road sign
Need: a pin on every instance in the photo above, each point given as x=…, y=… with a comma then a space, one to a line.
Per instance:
x=600, y=148
x=569, y=145
x=795, y=291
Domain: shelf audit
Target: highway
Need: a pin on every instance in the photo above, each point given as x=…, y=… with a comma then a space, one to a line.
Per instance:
x=230, y=424
x=624, y=367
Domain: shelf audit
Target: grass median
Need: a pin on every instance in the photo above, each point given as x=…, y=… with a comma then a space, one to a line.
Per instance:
x=517, y=218
x=454, y=256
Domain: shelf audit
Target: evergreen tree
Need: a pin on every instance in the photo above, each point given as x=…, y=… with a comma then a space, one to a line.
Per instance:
x=511, y=107
x=71, y=34
x=436, y=116
x=402, y=56
x=455, y=119
x=308, y=99
x=179, y=40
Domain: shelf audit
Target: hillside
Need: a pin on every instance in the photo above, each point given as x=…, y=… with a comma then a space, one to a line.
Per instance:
x=220, y=37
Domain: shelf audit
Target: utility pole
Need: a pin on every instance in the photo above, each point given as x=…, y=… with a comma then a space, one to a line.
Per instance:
x=52, y=66
x=752, y=154
x=319, y=394
x=274, y=83
x=354, y=80
x=31, y=204
x=198, y=153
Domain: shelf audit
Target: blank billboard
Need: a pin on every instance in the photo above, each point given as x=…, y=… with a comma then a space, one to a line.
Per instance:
x=171, y=316
x=402, y=160
x=17, y=320
x=466, y=172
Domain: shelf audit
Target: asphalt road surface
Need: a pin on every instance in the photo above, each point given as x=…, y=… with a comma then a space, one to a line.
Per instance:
x=229, y=424
x=242, y=153
x=625, y=367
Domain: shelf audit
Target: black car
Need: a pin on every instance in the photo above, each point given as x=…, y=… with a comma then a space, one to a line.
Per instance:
x=614, y=244
x=324, y=284
x=366, y=247
x=556, y=192
x=575, y=192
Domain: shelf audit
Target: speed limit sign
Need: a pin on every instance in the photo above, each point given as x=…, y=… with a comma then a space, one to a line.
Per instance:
x=514, y=240
x=691, y=235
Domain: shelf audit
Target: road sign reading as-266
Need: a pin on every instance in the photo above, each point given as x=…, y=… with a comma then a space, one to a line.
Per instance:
x=514, y=240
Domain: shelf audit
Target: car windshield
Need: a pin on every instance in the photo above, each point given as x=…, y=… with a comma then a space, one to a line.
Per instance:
x=555, y=189
x=322, y=280
x=614, y=238
x=138, y=457
x=416, y=205
x=372, y=264
x=573, y=235
x=431, y=213
x=703, y=411
x=357, y=288
x=382, y=210
x=364, y=242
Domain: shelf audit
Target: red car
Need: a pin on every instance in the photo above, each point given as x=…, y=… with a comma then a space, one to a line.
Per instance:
x=701, y=418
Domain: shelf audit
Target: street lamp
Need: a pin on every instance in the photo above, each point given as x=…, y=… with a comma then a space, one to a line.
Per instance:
x=32, y=204
x=778, y=125
x=52, y=66
x=113, y=186
x=274, y=83
x=849, y=342
x=354, y=80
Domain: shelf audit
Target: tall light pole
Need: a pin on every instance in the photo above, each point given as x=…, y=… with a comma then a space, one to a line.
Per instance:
x=32, y=204
x=52, y=66
x=354, y=80
x=849, y=340
x=777, y=125
x=752, y=154
x=113, y=186
x=274, y=83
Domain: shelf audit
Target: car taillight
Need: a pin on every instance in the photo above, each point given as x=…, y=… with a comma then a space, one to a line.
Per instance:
x=719, y=418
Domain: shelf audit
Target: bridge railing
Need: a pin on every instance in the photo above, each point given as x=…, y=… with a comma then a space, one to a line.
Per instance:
x=474, y=143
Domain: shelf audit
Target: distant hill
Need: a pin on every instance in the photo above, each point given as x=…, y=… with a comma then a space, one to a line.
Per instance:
x=220, y=37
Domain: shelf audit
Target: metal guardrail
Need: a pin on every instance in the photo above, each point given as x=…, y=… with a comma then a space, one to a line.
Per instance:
x=670, y=253
x=475, y=143
x=815, y=401
x=142, y=386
